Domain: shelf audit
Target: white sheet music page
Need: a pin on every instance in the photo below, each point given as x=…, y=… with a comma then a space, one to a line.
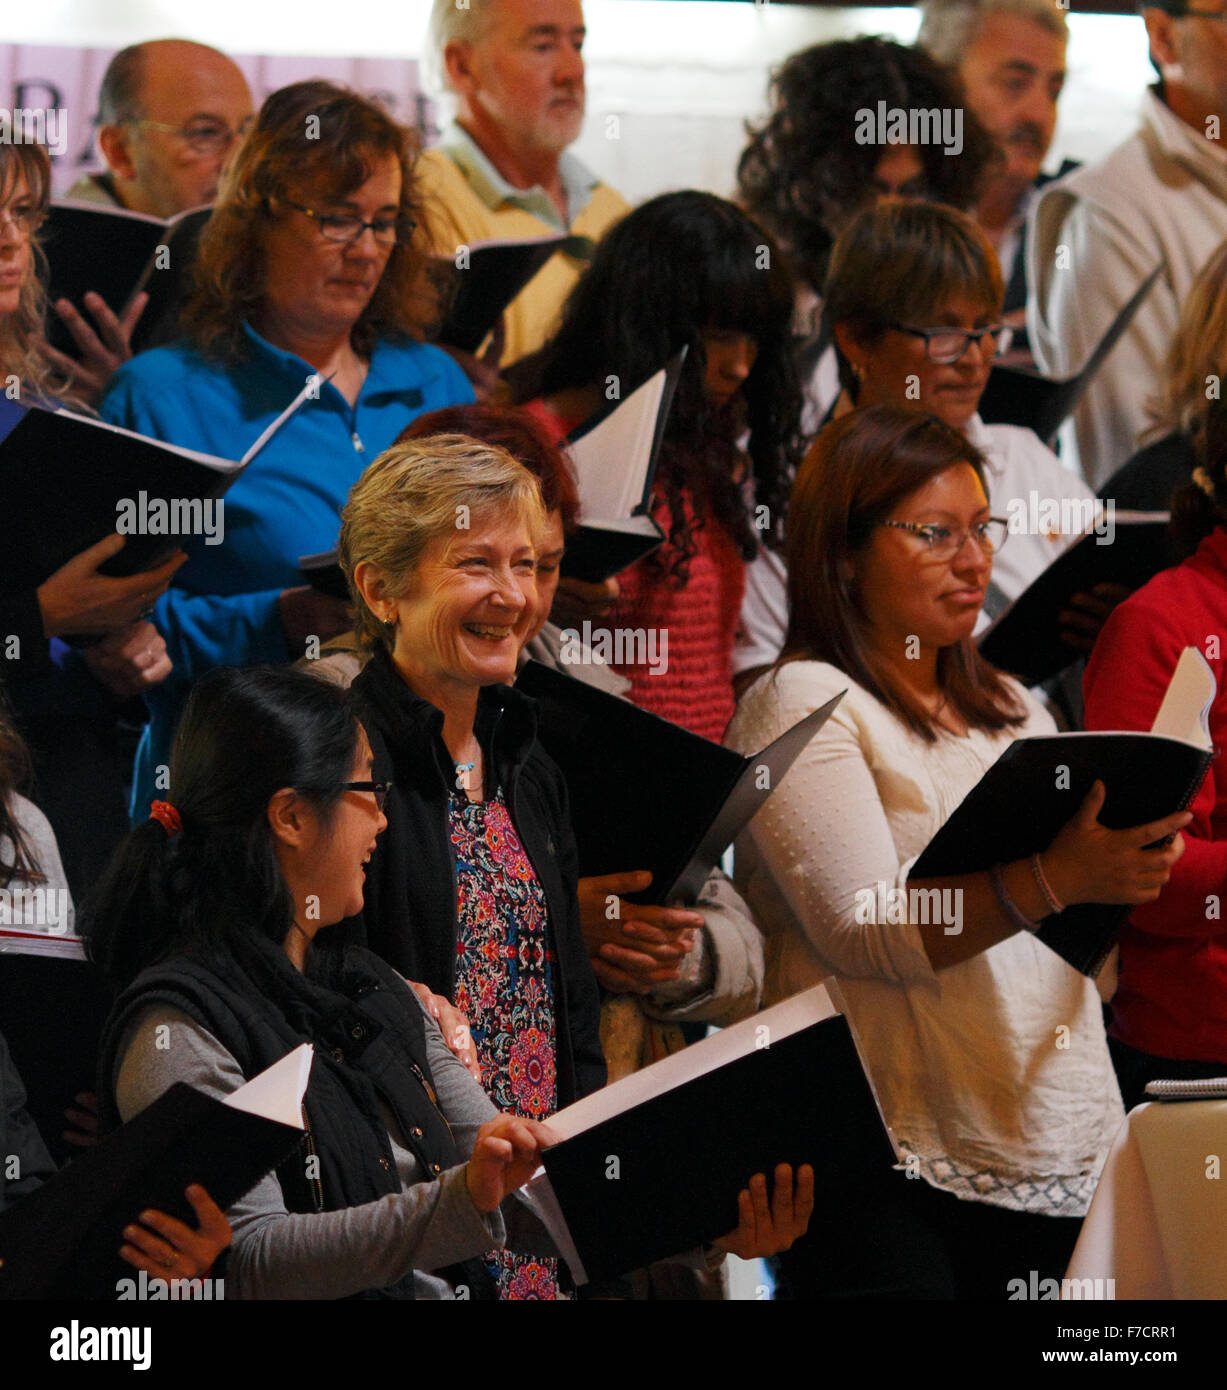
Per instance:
x=276, y=1094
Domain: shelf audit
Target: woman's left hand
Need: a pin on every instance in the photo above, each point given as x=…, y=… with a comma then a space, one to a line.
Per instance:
x=454, y=1026
x=167, y=1249
x=767, y=1228
x=102, y=352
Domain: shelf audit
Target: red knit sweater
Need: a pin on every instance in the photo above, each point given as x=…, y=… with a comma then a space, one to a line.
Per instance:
x=689, y=631
x=1172, y=999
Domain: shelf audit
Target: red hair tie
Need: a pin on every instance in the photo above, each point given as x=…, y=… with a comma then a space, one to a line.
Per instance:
x=167, y=817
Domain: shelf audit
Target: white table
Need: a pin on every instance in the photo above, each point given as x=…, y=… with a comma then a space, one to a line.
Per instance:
x=1158, y=1222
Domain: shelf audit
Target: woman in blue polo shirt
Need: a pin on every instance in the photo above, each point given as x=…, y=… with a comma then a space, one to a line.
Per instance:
x=304, y=280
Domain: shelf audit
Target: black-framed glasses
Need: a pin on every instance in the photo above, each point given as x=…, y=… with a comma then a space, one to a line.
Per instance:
x=1201, y=14
x=944, y=543
x=381, y=790
x=947, y=345
x=203, y=136
x=346, y=228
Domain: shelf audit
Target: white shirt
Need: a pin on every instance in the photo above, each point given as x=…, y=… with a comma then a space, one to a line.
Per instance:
x=1025, y=479
x=969, y=1064
x=45, y=906
x=1094, y=237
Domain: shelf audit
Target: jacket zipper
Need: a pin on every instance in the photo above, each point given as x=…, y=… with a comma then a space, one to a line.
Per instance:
x=317, y=1187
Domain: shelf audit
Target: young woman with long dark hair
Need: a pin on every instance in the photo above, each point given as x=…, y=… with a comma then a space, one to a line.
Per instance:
x=685, y=270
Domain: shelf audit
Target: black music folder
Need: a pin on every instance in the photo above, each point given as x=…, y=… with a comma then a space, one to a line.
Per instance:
x=494, y=273
x=651, y=1166
x=646, y=793
x=1015, y=396
x=324, y=574
x=1036, y=785
x=1025, y=639
x=53, y=1004
x=63, y=1240
x=68, y=481
x=118, y=253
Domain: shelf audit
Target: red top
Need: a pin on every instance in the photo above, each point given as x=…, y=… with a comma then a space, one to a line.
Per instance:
x=1172, y=999
x=679, y=641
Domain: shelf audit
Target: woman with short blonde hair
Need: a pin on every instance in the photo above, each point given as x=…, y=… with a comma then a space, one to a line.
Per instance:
x=421, y=491
x=473, y=888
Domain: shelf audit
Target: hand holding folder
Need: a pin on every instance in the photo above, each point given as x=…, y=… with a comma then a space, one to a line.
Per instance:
x=183, y=1139
x=1039, y=796
x=783, y=1087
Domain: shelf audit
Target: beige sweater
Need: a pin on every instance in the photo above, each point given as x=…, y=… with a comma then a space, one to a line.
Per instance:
x=994, y=1073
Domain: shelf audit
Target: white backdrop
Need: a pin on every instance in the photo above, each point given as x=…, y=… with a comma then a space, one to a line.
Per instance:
x=681, y=76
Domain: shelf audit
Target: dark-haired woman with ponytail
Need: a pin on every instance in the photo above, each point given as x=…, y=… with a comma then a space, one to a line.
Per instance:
x=205, y=923
x=1169, y=1012
x=683, y=270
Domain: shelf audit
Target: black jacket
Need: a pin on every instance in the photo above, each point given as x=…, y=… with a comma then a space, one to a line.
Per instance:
x=410, y=913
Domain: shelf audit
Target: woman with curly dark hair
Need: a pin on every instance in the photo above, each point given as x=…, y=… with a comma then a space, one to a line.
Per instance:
x=805, y=171
x=687, y=270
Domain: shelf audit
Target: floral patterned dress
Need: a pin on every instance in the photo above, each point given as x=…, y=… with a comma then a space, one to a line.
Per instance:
x=504, y=969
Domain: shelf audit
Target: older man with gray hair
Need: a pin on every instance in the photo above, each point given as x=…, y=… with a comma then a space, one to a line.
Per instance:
x=1010, y=55
x=502, y=171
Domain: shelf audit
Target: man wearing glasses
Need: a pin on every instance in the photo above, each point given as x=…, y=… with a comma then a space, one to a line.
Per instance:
x=170, y=113
x=1095, y=235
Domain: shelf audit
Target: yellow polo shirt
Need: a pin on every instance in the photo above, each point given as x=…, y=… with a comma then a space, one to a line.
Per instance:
x=465, y=200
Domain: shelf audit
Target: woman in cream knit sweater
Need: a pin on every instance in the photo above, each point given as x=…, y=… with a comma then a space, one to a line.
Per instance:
x=986, y=1050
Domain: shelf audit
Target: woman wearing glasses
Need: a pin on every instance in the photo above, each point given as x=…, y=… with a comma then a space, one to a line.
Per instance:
x=914, y=294
x=207, y=923
x=66, y=702
x=987, y=1051
x=304, y=279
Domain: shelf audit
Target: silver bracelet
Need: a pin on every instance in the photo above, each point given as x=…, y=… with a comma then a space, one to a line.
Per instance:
x=1037, y=868
x=1008, y=905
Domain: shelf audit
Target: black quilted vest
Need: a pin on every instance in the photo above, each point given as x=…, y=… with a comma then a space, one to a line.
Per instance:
x=370, y=1044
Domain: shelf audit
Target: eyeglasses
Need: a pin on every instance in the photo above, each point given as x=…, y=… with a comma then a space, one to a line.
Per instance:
x=947, y=345
x=346, y=228
x=945, y=544
x=1201, y=14
x=27, y=220
x=381, y=790
x=204, y=137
